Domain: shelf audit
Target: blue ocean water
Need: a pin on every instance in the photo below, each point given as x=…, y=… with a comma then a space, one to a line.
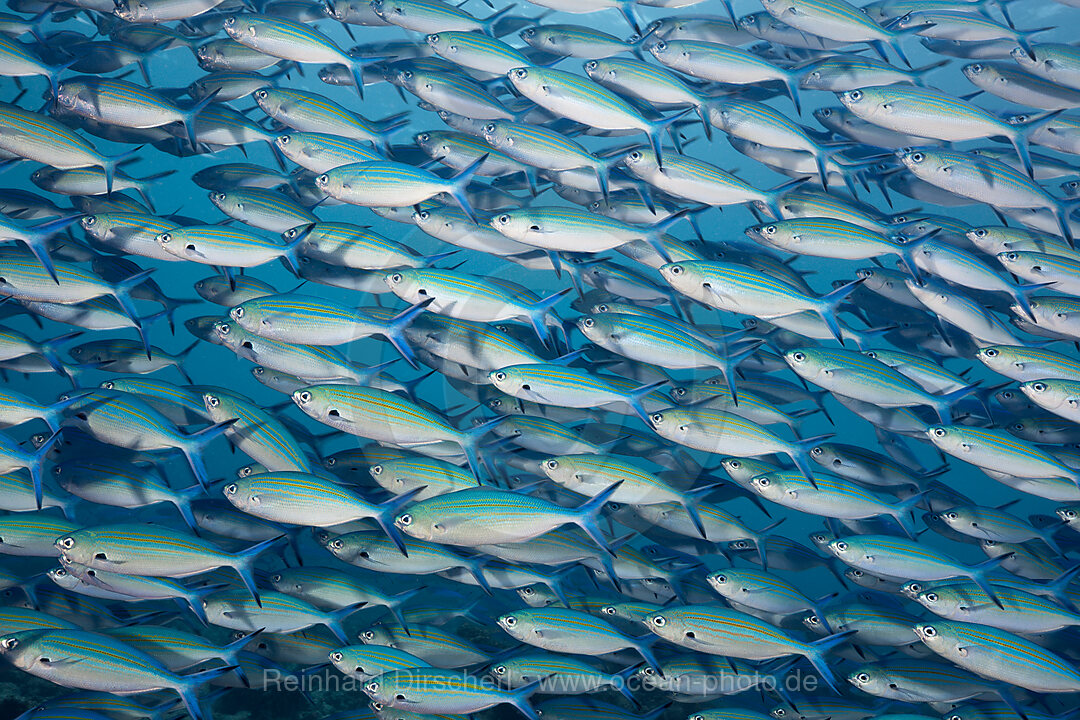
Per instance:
x=214, y=365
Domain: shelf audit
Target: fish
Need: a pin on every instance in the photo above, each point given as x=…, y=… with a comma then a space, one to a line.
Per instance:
x=363, y=345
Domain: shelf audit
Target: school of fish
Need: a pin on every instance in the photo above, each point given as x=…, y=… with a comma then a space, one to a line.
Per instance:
x=720, y=366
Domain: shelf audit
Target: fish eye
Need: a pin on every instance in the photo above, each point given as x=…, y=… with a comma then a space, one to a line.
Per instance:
x=499, y=669
x=10, y=643
x=608, y=610
x=527, y=591
x=230, y=489
x=337, y=544
x=826, y=112
x=929, y=631
x=261, y=94
x=660, y=46
x=659, y=621
x=336, y=656
x=763, y=481
x=938, y=432
x=1039, y=387
x=812, y=620
x=863, y=678
x=679, y=391
x=588, y=322
x=212, y=400
x=230, y=21
x=284, y=139
x=372, y=687
x=1011, y=256
x=798, y=356
x=238, y=312
x=657, y=418
x=931, y=597
x=396, y=277
x=67, y=543
x=520, y=73
x=433, y=38
x=551, y=464
x=500, y=376
x=990, y=352
x=602, y=308
x=720, y=578
x=89, y=220
x=405, y=519
x=917, y=157
x=304, y=396
x=591, y=65
x=108, y=385
x=676, y=269
x=950, y=516
x=770, y=229
x=976, y=68
x=509, y=621
x=376, y=470
x=855, y=95
x=164, y=238
x=841, y=546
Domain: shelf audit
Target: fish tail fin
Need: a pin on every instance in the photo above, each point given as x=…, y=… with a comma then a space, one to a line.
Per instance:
x=290, y=251
x=389, y=509
x=190, y=115
x=903, y=512
x=520, y=698
x=122, y=293
x=1020, y=294
x=800, y=455
x=634, y=397
x=761, y=542
x=731, y=362
x=830, y=303
x=182, y=502
x=232, y=650
x=980, y=574
x=53, y=71
x=772, y=195
x=818, y=649
x=922, y=70
x=397, y=601
x=644, y=647
x=395, y=329
x=657, y=127
x=587, y=515
x=1019, y=140
x=488, y=23
x=38, y=242
x=192, y=600
x=620, y=682
x=1058, y=588
x=336, y=618
x=195, y=444
x=945, y=402
x=470, y=445
x=243, y=563
x=538, y=312
x=690, y=501
x=188, y=687
x=36, y=466
x=460, y=183
x=50, y=350
x=791, y=85
x=476, y=569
